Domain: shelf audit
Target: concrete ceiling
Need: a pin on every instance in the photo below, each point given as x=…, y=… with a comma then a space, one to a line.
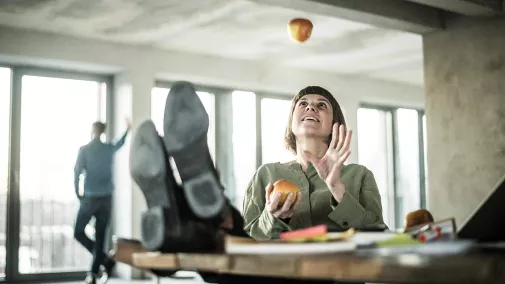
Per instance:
x=235, y=29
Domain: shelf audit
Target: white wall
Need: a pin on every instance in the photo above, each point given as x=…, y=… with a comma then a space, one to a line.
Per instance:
x=137, y=67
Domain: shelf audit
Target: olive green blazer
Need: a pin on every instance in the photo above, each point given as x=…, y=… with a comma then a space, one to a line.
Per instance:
x=360, y=207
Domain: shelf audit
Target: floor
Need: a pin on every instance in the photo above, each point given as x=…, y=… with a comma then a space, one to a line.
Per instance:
x=162, y=281
x=186, y=278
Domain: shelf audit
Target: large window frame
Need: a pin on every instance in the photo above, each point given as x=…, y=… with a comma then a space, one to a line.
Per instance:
x=393, y=156
x=12, y=273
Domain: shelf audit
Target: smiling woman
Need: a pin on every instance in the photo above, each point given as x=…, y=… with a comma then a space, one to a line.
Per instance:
x=331, y=193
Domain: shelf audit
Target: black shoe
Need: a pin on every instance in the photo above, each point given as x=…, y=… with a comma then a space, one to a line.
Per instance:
x=148, y=167
x=169, y=225
x=186, y=124
x=108, y=265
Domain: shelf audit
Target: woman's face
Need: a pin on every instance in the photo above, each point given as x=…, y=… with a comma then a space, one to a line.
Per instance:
x=312, y=116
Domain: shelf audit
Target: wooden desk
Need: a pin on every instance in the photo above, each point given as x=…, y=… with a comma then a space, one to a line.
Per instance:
x=369, y=265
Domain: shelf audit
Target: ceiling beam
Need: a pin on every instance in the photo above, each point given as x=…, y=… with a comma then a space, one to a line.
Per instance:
x=466, y=7
x=389, y=14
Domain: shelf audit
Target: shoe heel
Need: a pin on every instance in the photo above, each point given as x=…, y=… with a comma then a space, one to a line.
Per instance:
x=203, y=196
x=160, y=229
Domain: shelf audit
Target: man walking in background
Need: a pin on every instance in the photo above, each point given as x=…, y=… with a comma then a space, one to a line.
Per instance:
x=95, y=161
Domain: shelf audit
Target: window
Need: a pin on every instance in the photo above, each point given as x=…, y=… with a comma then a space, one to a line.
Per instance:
x=244, y=142
x=425, y=143
x=158, y=98
x=45, y=116
x=391, y=143
x=408, y=191
x=374, y=144
x=56, y=117
x=274, y=117
x=5, y=102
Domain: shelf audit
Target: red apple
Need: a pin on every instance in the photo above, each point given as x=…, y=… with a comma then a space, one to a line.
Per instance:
x=300, y=29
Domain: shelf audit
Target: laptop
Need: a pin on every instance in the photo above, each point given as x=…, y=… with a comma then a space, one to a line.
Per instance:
x=487, y=222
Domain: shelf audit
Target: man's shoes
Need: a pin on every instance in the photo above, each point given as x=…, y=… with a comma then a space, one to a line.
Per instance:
x=187, y=210
x=185, y=128
x=169, y=225
x=108, y=265
x=161, y=224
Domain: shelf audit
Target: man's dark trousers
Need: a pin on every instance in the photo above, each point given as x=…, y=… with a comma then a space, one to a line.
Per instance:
x=100, y=208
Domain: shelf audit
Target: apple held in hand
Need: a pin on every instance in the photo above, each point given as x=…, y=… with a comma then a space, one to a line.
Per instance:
x=285, y=186
x=300, y=29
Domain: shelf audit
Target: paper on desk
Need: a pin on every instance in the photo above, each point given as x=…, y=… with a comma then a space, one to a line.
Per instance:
x=331, y=243
x=335, y=242
x=275, y=247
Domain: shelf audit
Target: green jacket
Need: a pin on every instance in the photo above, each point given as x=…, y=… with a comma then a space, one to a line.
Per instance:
x=360, y=207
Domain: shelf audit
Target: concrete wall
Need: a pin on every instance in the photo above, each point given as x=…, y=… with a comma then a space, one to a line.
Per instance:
x=465, y=110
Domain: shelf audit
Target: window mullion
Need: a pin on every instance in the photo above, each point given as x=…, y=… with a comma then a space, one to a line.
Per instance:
x=395, y=159
x=422, y=173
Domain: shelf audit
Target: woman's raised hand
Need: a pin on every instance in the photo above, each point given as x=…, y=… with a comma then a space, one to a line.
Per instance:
x=328, y=167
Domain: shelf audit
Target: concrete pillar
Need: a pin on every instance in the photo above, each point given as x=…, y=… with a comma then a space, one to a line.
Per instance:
x=132, y=99
x=464, y=69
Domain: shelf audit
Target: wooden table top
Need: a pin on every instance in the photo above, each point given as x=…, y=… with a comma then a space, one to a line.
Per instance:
x=424, y=263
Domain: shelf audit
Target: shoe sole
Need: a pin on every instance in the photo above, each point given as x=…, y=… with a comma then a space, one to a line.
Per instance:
x=148, y=165
x=148, y=168
x=186, y=124
x=160, y=230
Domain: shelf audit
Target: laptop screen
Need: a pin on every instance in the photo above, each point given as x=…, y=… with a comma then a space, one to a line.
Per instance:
x=487, y=223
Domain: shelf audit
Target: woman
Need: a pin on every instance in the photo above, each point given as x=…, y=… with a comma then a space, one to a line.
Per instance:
x=331, y=193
